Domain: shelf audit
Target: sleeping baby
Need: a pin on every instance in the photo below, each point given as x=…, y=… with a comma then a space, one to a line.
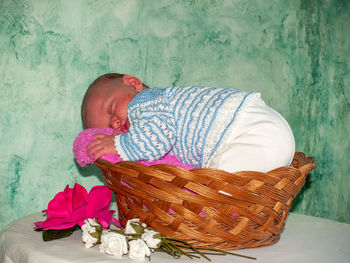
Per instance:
x=219, y=128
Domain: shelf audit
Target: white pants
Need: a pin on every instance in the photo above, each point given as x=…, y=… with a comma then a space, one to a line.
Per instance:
x=262, y=142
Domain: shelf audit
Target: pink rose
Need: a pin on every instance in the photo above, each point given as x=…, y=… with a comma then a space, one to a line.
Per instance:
x=74, y=205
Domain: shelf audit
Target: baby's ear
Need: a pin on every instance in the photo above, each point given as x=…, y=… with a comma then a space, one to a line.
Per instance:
x=133, y=81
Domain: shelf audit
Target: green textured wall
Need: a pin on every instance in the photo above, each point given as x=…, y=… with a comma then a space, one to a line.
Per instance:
x=295, y=52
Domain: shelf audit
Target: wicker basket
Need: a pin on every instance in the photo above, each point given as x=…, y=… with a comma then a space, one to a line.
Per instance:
x=208, y=207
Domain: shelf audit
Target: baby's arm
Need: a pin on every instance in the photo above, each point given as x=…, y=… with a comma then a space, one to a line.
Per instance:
x=102, y=145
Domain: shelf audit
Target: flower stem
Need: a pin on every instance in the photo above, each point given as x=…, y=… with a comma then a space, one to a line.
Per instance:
x=189, y=246
x=200, y=250
x=226, y=252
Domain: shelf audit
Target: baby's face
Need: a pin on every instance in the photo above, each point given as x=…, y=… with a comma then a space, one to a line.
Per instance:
x=107, y=106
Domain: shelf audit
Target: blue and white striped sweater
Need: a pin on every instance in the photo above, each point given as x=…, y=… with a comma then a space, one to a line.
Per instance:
x=188, y=122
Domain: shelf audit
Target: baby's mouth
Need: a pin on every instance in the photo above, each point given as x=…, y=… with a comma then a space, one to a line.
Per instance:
x=126, y=126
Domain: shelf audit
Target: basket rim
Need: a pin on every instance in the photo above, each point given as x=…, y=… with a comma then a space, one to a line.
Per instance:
x=310, y=164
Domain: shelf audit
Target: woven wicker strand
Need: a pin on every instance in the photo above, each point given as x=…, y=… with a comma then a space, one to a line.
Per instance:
x=208, y=207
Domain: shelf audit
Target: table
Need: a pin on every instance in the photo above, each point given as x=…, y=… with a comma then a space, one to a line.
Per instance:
x=305, y=239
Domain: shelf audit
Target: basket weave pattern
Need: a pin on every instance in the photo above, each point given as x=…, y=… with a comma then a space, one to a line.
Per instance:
x=208, y=207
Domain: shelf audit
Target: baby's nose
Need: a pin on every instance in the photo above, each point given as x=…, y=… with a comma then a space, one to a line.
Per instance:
x=115, y=124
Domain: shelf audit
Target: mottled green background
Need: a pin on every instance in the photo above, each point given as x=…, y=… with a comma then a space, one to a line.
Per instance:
x=297, y=53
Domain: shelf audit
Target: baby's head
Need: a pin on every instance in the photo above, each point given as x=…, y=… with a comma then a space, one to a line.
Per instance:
x=106, y=100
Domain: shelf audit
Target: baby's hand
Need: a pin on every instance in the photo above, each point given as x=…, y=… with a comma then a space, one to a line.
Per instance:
x=102, y=145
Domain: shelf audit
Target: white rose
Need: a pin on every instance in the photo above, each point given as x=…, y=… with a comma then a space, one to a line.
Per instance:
x=88, y=240
x=138, y=249
x=129, y=229
x=89, y=225
x=113, y=244
x=148, y=237
x=88, y=228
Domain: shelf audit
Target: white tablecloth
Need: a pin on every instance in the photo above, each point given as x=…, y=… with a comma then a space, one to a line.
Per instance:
x=305, y=239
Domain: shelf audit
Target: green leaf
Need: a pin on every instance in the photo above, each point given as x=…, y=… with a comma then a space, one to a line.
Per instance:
x=97, y=236
x=49, y=235
x=139, y=229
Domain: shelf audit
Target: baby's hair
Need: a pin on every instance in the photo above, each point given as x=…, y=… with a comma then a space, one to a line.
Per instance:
x=110, y=76
x=107, y=76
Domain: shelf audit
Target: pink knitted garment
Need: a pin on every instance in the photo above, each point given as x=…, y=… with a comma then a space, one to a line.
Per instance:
x=87, y=136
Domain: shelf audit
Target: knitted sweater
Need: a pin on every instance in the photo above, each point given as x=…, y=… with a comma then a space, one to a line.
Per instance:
x=190, y=123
